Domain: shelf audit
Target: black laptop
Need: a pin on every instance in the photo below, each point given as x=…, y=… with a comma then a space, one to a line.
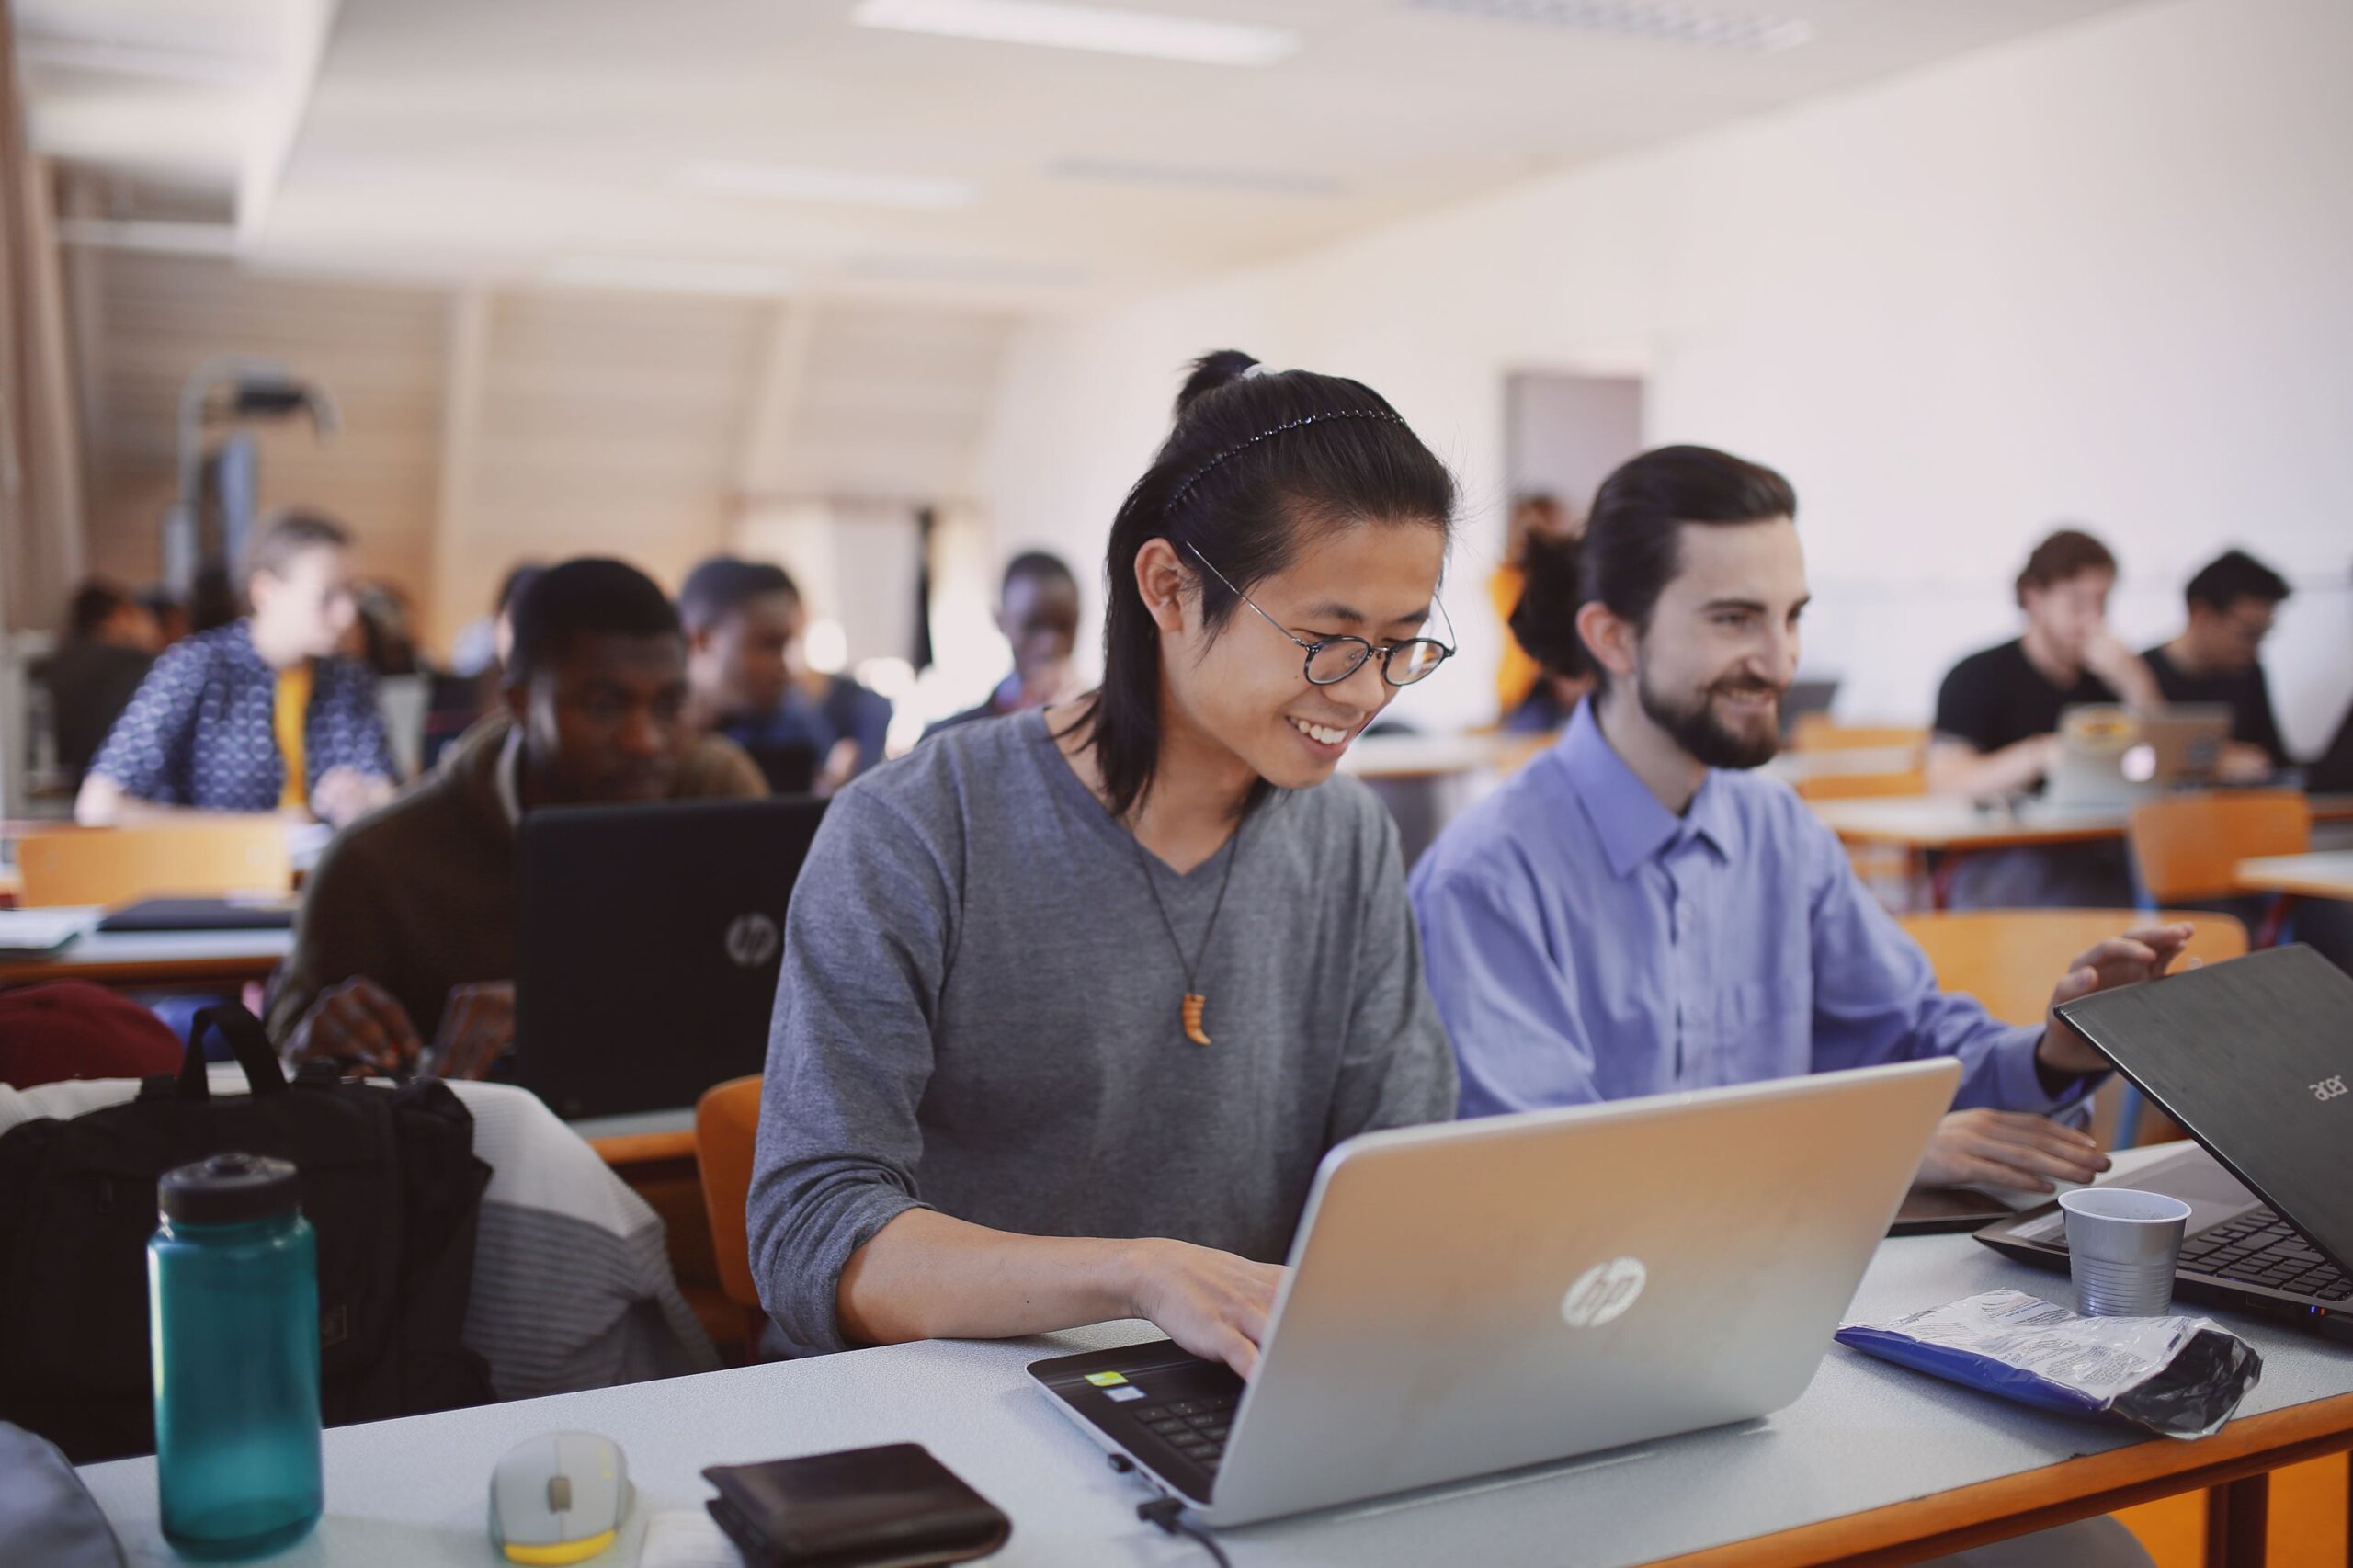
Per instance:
x=2255, y=1058
x=646, y=959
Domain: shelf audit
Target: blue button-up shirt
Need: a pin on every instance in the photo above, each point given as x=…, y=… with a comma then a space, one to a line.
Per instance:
x=1585, y=943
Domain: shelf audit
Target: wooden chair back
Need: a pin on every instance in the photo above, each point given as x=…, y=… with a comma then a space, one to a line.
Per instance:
x=2189, y=847
x=1819, y=732
x=2010, y=958
x=727, y=1118
x=1860, y=785
x=198, y=859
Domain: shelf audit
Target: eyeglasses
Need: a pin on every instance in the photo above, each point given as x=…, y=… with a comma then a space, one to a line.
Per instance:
x=1335, y=659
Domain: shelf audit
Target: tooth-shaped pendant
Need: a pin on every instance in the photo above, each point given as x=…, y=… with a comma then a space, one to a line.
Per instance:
x=1194, y=1002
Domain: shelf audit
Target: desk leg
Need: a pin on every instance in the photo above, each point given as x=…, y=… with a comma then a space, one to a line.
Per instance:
x=2238, y=1519
x=1940, y=880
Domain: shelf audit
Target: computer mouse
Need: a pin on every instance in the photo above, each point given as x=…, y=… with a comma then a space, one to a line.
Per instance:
x=559, y=1497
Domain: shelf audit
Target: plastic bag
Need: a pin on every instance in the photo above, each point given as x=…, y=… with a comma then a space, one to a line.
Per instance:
x=2179, y=1376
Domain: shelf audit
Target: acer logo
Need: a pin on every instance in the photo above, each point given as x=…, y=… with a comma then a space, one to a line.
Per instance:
x=2330, y=1088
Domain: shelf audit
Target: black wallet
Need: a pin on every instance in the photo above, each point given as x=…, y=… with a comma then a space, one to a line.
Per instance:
x=894, y=1506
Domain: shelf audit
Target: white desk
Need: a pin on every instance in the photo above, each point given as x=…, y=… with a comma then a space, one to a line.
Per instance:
x=2328, y=875
x=201, y=958
x=1865, y=1435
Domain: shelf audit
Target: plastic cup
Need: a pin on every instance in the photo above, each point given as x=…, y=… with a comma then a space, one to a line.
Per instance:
x=2123, y=1245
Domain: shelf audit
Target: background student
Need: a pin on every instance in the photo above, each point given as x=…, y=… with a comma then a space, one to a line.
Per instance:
x=1639, y=911
x=1997, y=711
x=1997, y=721
x=1526, y=702
x=411, y=915
x=111, y=642
x=2233, y=602
x=993, y=1104
x=1037, y=608
x=260, y=714
x=749, y=680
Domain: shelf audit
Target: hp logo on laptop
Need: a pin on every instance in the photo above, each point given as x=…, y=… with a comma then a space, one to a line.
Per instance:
x=1603, y=1292
x=752, y=940
x=2330, y=1088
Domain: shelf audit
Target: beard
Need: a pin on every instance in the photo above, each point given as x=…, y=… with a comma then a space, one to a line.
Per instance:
x=1698, y=730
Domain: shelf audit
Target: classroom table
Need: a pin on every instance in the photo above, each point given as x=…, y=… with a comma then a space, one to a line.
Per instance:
x=1955, y=825
x=1871, y=1459
x=201, y=961
x=2305, y=875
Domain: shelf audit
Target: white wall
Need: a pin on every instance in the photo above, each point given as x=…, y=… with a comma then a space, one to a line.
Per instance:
x=2099, y=275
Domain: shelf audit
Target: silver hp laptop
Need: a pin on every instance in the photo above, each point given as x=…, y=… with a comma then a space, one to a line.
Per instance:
x=1477, y=1296
x=2255, y=1058
x=2110, y=759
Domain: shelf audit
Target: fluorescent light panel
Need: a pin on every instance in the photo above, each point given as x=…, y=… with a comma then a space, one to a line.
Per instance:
x=845, y=188
x=654, y=276
x=1049, y=24
x=1657, y=21
x=1259, y=182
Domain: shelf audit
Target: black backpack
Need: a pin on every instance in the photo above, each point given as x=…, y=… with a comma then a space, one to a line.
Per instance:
x=389, y=1181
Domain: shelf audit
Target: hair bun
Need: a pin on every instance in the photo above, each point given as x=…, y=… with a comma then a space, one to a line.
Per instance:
x=1217, y=369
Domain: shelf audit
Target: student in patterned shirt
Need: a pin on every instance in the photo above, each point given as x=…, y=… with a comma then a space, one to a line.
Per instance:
x=258, y=715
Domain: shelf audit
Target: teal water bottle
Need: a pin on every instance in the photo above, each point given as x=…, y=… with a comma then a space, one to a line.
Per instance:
x=233, y=1304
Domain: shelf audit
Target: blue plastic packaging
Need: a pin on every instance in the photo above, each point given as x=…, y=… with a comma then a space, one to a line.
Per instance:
x=2179, y=1376
x=233, y=1294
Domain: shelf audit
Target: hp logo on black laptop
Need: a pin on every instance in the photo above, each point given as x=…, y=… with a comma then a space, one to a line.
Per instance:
x=753, y=940
x=2330, y=1088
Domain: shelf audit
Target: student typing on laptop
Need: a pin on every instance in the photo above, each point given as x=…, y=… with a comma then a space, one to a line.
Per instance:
x=1073, y=1003
x=411, y=913
x=2232, y=602
x=1639, y=911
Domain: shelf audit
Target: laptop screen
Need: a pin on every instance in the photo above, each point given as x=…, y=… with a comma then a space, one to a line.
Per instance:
x=2254, y=1057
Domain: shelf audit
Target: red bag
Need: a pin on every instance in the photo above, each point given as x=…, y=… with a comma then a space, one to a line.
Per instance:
x=71, y=1028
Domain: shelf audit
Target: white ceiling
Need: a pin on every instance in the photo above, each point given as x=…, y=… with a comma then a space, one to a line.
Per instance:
x=505, y=140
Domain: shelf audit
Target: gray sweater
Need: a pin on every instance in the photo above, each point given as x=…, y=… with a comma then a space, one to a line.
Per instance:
x=980, y=1012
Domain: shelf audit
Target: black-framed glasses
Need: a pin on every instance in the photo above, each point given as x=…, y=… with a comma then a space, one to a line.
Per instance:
x=1335, y=659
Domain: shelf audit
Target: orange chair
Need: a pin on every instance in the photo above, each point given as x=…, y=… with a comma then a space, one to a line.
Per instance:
x=198, y=859
x=2191, y=847
x=2009, y=960
x=727, y=1118
x=1819, y=732
x=1860, y=785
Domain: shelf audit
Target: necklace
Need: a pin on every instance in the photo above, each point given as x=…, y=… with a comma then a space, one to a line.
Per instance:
x=1195, y=1002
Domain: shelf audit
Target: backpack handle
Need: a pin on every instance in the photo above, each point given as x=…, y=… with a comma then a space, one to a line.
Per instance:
x=248, y=1042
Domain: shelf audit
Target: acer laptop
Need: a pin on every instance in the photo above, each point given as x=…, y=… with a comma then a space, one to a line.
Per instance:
x=2110, y=759
x=1477, y=1296
x=647, y=946
x=2255, y=1058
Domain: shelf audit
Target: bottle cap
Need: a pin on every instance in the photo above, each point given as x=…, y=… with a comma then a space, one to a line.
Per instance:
x=227, y=1188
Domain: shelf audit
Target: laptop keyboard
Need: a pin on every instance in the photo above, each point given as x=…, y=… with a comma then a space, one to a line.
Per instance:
x=2260, y=1248
x=1193, y=1427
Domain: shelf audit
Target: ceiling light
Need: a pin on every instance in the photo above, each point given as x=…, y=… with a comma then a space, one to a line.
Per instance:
x=1264, y=182
x=843, y=187
x=966, y=269
x=656, y=276
x=1658, y=21
x=1051, y=25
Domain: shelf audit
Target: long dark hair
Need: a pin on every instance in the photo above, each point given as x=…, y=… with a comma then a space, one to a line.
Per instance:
x=1258, y=464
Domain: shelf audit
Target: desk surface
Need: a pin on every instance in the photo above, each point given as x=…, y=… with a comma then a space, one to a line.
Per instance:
x=156, y=958
x=1949, y=822
x=1866, y=1446
x=1407, y=756
x=2312, y=876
